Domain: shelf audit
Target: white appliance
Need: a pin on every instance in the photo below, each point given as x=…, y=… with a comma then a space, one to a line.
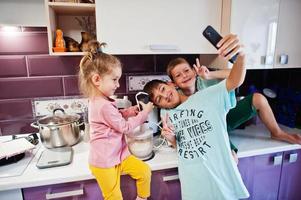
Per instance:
x=55, y=157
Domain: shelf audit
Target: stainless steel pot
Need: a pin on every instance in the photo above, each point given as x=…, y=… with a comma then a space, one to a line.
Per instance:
x=59, y=130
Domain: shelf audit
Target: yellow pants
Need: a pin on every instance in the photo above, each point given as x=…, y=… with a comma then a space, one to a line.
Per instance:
x=108, y=179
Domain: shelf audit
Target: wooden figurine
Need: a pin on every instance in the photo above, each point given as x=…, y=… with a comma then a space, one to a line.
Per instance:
x=86, y=37
x=60, y=45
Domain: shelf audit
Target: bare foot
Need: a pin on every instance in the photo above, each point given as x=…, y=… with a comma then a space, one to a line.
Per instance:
x=287, y=137
x=235, y=157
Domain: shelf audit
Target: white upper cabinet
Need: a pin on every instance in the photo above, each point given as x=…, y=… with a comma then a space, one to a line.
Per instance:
x=288, y=48
x=255, y=22
x=269, y=30
x=22, y=13
x=156, y=27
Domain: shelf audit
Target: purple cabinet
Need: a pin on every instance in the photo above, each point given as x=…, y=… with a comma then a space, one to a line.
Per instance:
x=261, y=175
x=82, y=190
x=128, y=188
x=290, y=184
x=165, y=185
x=272, y=176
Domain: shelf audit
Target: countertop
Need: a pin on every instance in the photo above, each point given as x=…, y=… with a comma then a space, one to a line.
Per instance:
x=251, y=141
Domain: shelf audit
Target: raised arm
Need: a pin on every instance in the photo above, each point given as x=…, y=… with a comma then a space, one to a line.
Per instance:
x=237, y=75
x=204, y=73
x=220, y=74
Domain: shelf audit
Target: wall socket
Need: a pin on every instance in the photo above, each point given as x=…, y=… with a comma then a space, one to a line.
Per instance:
x=137, y=83
x=46, y=107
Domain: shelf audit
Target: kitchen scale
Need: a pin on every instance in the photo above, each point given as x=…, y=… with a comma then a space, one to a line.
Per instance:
x=55, y=157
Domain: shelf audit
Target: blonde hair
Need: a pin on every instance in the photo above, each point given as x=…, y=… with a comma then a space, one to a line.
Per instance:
x=173, y=63
x=95, y=62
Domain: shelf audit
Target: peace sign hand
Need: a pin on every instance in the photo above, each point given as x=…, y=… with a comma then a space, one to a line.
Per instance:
x=168, y=130
x=201, y=71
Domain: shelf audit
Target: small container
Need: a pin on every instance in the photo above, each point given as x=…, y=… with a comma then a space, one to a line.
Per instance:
x=141, y=144
x=123, y=103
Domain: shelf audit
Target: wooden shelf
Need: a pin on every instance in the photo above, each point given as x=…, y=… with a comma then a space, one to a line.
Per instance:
x=72, y=8
x=67, y=53
x=66, y=16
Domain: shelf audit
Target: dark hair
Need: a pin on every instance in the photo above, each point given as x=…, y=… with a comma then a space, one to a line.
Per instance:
x=95, y=61
x=150, y=86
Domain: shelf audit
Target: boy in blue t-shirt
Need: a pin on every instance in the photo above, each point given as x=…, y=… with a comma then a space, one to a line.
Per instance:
x=199, y=131
x=189, y=81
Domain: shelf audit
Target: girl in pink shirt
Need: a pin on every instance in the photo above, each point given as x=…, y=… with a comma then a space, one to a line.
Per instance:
x=109, y=156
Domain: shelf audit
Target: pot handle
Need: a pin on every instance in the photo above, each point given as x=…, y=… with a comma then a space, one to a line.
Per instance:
x=60, y=109
x=35, y=125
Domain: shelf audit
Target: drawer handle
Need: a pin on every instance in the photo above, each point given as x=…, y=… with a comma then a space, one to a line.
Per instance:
x=283, y=59
x=71, y=193
x=278, y=160
x=293, y=157
x=171, y=178
x=163, y=47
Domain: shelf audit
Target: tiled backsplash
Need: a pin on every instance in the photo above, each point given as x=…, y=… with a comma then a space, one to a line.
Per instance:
x=28, y=72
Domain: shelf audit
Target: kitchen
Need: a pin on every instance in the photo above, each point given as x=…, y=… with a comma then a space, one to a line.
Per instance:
x=30, y=71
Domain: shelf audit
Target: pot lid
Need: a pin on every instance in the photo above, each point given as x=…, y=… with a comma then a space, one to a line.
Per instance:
x=59, y=118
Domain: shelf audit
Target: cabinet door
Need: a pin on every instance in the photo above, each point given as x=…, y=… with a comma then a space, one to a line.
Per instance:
x=246, y=169
x=19, y=13
x=128, y=188
x=261, y=175
x=290, y=183
x=84, y=190
x=165, y=185
x=152, y=27
x=288, y=36
x=255, y=22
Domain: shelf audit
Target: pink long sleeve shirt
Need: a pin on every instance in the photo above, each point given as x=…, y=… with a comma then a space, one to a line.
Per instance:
x=107, y=132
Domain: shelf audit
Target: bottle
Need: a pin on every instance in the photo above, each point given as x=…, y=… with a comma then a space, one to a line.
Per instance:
x=123, y=103
x=127, y=103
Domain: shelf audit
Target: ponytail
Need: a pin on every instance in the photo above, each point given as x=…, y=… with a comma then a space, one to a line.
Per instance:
x=94, y=61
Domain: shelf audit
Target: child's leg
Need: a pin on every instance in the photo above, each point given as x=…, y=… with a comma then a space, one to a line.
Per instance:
x=241, y=113
x=235, y=157
x=139, y=171
x=108, y=180
x=266, y=115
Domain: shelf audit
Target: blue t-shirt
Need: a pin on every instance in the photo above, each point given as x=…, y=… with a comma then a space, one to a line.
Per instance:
x=203, y=83
x=206, y=167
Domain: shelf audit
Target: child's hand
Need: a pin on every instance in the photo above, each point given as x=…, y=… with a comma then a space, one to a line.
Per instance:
x=201, y=71
x=167, y=130
x=131, y=111
x=147, y=107
x=227, y=44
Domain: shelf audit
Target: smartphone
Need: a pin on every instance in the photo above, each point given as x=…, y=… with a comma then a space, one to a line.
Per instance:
x=214, y=37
